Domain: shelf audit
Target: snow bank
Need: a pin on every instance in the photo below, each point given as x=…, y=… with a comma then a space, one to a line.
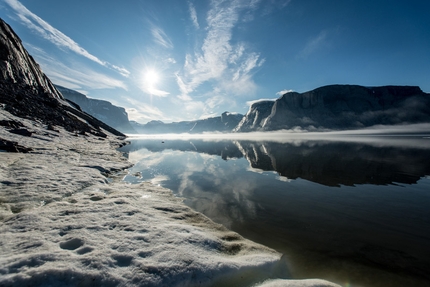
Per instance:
x=63, y=223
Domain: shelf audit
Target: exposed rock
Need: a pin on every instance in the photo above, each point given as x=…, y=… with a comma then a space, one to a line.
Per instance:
x=254, y=119
x=26, y=92
x=22, y=131
x=18, y=67
x=11, y=146
x=110, y=114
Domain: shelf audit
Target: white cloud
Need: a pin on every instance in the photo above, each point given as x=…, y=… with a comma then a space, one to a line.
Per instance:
x=44, y=29
x=281, y=93
x=185, y=98
x=142, y=112
x=217, y=60
x=161, y=38
x=193, y=15
x=72, y=75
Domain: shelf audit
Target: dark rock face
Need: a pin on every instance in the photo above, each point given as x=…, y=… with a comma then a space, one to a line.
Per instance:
x=11, y=146
x=18, y=67
x=225, y=123
x=256, y=116
x=349, y=106
x=110, y=114
x=26, y=92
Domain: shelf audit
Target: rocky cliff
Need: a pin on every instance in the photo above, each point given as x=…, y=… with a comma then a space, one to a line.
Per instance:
x=256, y=116
x=224, y=123
x=105, y=111
x=342, y=107
x=26, y=92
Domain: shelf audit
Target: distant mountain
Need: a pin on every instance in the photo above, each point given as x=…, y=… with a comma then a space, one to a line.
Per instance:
x=224, y=123
x=110, y=114
x=26, y=92
x=340, y=107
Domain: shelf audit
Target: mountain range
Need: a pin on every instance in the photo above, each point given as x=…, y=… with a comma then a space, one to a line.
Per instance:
x=332, y=107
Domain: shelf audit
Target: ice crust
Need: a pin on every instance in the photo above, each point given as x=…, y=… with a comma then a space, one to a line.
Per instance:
x=67, y=219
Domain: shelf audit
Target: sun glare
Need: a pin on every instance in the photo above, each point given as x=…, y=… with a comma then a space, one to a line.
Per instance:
x=151, y=78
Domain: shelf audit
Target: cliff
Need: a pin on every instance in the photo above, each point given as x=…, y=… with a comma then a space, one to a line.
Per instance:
x=26, y=92
x=105, y=111
x=342, y=107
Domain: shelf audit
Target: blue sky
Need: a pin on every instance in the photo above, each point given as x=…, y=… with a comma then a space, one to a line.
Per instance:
x=175, y=60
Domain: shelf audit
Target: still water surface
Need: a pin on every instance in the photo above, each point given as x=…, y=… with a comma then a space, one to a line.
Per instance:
x=356, y=212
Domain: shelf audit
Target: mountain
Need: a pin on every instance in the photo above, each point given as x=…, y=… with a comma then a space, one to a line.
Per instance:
x=26, y=92
x=256, y=116
x=110, y=114
x=341, y=107
x=224, y=123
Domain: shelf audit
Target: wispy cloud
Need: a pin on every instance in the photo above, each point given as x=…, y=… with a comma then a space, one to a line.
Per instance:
x=314, y=44
x=143, y=113
x=193, y=15
x=217, y=60
x=72, y=75
x=160, y=37
x=45, y=30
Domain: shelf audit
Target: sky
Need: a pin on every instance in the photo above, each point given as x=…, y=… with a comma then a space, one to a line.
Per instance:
x=175, y=60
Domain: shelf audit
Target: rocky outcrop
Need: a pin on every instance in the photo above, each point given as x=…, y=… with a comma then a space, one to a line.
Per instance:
x=26, y=92
x=256, y=116
x=224, y=123
x=105, y=111
x=18, y=67
x=340, y=107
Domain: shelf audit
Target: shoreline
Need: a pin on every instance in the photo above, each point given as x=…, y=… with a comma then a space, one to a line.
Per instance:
x=64, y=222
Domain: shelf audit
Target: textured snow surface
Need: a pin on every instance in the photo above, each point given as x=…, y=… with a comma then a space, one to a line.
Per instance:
x=64, y=223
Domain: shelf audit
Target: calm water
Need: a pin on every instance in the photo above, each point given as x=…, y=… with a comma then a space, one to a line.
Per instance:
x=354, y=211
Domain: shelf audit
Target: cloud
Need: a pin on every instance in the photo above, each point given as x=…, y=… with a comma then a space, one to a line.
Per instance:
x=283, y=92
x=56, y=37
x=142, y=112
x=250, y=103
x=72, y=75
x=161, y=38
x=193, y=15
x=217, y=60
x=314, y=44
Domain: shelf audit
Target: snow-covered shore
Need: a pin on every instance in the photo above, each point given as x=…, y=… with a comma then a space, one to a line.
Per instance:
x=67, y=219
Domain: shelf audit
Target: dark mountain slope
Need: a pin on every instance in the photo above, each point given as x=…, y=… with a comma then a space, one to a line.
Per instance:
x=26, y=92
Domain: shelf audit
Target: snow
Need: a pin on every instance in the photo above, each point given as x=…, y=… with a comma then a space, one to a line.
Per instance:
x=67, y=219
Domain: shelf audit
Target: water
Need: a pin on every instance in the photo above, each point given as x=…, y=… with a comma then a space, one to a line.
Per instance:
x=355, y=211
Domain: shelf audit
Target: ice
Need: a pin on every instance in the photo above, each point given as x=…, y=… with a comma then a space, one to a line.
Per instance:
x=63, y=223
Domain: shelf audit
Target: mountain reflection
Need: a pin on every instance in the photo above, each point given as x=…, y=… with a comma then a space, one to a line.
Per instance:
x=323, y=162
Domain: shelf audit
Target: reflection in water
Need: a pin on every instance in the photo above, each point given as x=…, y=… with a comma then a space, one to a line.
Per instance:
x=348, y=212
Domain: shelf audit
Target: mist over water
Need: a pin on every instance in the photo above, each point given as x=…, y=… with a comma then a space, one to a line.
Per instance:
x=346, y=207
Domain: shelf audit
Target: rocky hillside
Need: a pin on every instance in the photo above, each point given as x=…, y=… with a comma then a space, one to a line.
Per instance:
x=105, y=111
x=224, y=123
x=26, y=92
x=341, y=107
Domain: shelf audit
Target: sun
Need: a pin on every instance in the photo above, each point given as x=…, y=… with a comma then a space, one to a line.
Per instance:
x=151, y=78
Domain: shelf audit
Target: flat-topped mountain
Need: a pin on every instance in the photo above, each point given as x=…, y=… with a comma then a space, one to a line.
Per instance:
x=341, y=107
